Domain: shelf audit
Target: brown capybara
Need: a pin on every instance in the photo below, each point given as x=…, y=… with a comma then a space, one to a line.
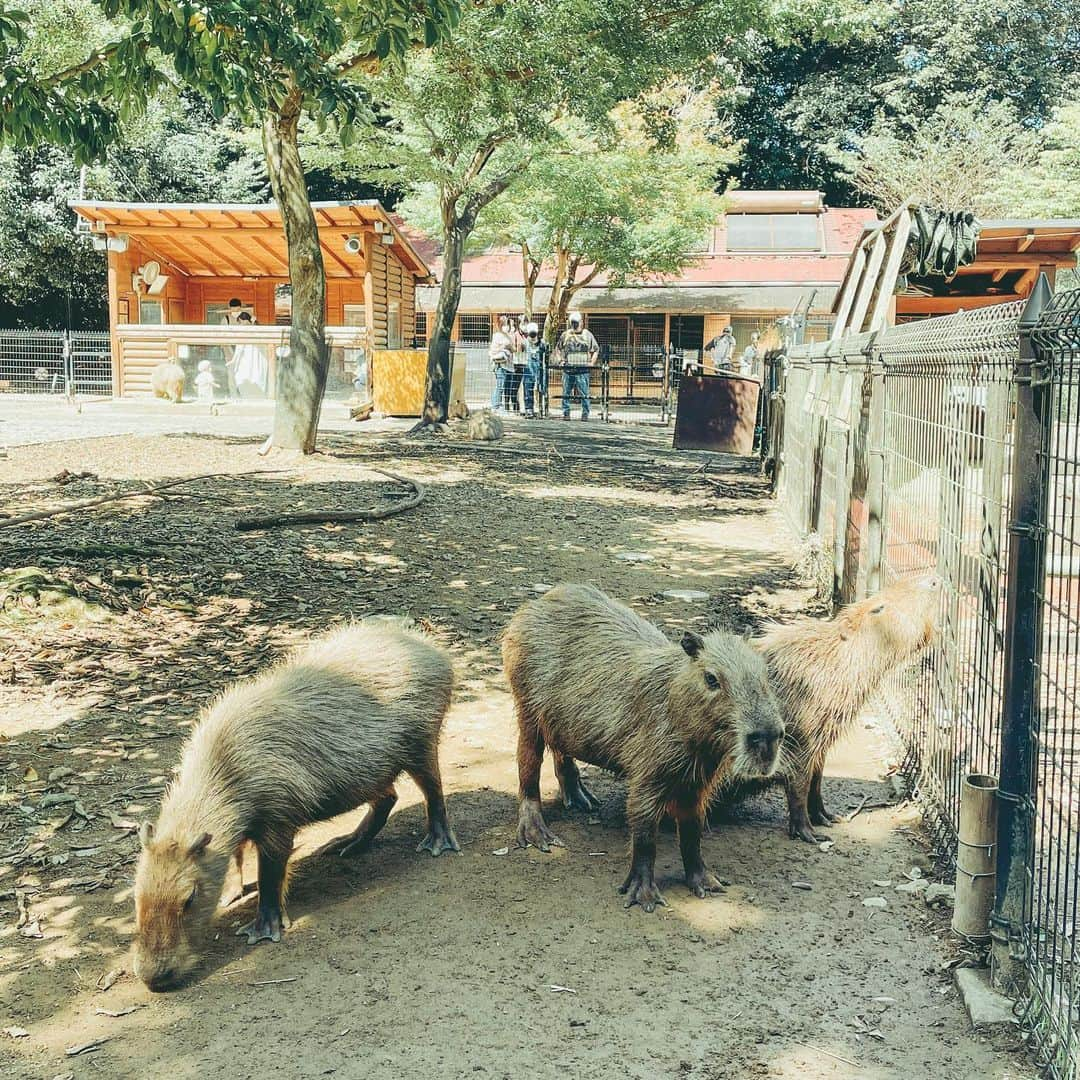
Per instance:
x=167, y=381
x=329, y=729
x=823, y=673
x=594, y=681
x=484, y=426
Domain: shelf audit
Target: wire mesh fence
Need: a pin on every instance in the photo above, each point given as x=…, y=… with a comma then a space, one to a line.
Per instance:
x=77, y=362
x=898, y=454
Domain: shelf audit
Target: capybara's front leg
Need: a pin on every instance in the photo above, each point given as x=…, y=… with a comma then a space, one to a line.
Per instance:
x=364, y=834
x=575, y=795
x=699, y=879
x=640, y=885
x=798, y=791
x=440, y=837
x=818, y=814
x=532, y=829
x=270, y=920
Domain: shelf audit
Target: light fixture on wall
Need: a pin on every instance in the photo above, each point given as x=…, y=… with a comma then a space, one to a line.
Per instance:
x=388, y=238
x=353, y=245
x=380, y=226
x=118, y=243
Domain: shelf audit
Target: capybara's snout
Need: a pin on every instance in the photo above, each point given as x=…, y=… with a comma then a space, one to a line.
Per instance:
x=763, y=749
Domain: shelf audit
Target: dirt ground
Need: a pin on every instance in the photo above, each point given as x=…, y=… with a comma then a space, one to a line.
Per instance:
x=499, y=963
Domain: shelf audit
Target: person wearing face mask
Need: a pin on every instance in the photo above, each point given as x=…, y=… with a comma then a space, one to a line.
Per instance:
x=535, y=380
x=576, y=353
x=504, y=344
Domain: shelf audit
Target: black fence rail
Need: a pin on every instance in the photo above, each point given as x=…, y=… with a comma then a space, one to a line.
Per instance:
x=952, y=446
x=68, y=362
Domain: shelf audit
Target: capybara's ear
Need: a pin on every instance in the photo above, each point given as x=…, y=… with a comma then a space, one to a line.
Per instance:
x=692, y=643
x=200, y=845
x=146, y=833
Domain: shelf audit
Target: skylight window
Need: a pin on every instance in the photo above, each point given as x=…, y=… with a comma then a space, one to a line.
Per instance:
x=773, y=232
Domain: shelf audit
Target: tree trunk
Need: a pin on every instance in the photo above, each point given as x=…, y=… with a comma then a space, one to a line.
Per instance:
x=301, y=376
x=437, y=388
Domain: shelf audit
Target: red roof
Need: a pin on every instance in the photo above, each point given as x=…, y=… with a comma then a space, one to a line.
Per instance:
x=842, y=228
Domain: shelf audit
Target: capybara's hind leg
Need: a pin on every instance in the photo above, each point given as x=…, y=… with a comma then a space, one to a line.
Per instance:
x=699, y=879
x=532, y=829
x=440, y=837
x=798, y=792
x=643, y=813
x=364, y=834
x=270, y=919
x=575, y=795
x=818, y=814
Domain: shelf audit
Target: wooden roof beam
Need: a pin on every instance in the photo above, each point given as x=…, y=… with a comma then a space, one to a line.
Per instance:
x=1025, y=242
x=283, y=260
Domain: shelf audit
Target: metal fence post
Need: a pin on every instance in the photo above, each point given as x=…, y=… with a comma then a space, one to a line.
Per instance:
x=1023, y=641
x=69, y=367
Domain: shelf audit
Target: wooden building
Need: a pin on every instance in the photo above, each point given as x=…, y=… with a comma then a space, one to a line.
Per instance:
x=194, y=282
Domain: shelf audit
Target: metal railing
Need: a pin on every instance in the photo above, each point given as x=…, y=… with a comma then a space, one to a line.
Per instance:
x=952, y=445
x=68, y=362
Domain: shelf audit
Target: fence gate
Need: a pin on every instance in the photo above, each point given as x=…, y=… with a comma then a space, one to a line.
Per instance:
x=65, y=362
x=952, y=446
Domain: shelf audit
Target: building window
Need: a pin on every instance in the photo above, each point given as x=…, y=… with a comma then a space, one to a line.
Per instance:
x=773, y=232
x=421, y=329
x=474, y=329
x=150, y=313
x=393, y=324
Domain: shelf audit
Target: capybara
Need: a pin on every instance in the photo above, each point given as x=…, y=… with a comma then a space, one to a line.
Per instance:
x=484, y=426
x=325, y=731
x=167, y=381
x=823, y=673
x=594, y=681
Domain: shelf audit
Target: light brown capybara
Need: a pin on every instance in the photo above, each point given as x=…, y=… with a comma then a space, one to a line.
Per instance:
x=167, y=381
x=594, y=681
x=823, y=673
x=484, y=426
x=329, y=729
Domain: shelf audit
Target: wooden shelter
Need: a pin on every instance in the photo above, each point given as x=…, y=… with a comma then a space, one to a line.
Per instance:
x=180, y=275
x=1011, y=253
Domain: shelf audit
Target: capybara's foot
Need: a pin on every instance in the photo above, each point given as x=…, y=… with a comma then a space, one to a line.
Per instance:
x=579, y=797
x=268, y=925
x=441, y=838
x=820, y=816
x=532, y=829
x=640, y=888
x=702, y=882
x=799, y=829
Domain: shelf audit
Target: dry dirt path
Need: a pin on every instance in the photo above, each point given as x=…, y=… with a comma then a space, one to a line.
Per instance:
x=397, y=965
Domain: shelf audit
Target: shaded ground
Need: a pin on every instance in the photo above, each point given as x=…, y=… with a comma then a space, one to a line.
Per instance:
x=399, y=965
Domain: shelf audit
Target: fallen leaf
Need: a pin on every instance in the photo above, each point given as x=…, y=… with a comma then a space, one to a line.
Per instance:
x=16, y=1033
x=109, y=978
x=85, y=1048
x=561, y=990
x=29, y=774
x=116, y=1012
x=501, y=851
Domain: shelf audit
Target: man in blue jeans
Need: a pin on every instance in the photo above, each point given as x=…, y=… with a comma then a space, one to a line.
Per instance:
x=576, y=352
x=536, y=353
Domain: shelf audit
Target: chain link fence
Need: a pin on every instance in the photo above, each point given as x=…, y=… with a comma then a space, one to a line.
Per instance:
x=952, y=446
x=68, y=362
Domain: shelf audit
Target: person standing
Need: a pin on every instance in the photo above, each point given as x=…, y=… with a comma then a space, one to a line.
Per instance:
x=576, y=353
x=722, y=349
x=750, y=361
x=501, y=352
x=535, y=380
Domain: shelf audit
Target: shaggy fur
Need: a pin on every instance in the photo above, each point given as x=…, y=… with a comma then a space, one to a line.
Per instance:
x=823, y=673
x=167, y=381
x=594, y=681
x=484, y=426
x=320, y=734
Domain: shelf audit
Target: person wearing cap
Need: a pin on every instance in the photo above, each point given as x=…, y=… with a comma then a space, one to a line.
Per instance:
x=722, y=349
x=576, y=353
x=536, y=354
x=504, y=343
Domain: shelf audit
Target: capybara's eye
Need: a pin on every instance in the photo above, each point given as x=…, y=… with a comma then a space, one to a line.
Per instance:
x=711, y=681
x=877, y=610
x=191, y=899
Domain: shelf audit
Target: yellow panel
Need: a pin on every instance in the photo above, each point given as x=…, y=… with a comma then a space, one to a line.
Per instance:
x=398, y=377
